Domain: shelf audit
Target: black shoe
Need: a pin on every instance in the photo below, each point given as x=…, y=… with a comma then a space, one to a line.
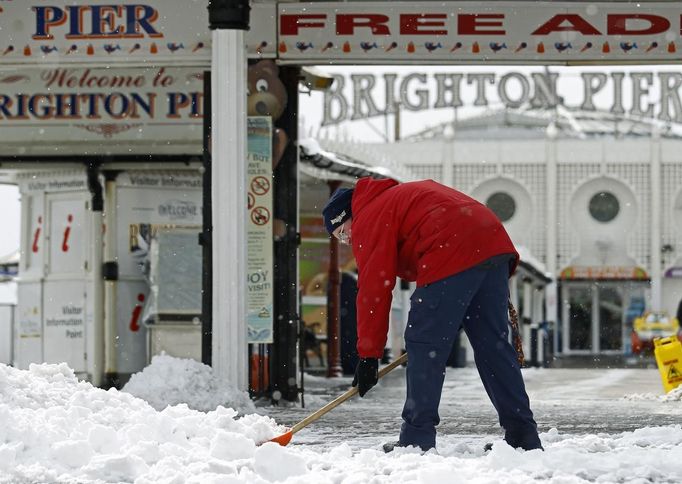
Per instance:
x=489, y=446
x=526, y=442
x=389, y=446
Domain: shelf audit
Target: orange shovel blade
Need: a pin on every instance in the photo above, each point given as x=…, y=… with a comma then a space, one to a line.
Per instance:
x=283, y=439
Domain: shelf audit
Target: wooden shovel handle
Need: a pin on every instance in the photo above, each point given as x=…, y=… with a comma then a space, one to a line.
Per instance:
x=342, y=398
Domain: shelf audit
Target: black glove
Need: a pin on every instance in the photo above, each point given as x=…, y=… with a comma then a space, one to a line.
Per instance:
x=366, y=375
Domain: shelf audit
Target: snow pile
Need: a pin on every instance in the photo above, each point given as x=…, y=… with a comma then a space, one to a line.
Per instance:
x=674, y=395
x=54, y=428
x=641, y=397
x=171, y=381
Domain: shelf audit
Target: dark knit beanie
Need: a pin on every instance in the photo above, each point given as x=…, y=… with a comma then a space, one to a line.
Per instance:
x=337, y=210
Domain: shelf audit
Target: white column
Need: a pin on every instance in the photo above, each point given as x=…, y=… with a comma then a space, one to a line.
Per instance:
x=447, y=161
x=552, y=293
x=526, y=315
x=596, y=329
x=538, y=303
x=565, y=315
x=655, y=214
x=95, y=360
x=110, y=287
x=228, y=193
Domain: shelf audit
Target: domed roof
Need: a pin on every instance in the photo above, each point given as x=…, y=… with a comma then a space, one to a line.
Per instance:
x=560, y=122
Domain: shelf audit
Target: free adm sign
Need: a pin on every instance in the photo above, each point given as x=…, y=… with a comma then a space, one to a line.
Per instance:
x=157, y=31
x=429, y=32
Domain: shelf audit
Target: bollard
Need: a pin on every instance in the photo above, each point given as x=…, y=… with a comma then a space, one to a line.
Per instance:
x=668, y=352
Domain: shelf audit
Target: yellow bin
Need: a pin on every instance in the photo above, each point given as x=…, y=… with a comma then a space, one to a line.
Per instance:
x=668, y=352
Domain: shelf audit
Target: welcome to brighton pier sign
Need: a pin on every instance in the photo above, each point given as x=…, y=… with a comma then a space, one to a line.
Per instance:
x=419, y=91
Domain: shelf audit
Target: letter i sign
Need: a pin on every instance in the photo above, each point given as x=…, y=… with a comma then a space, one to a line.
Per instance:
x=36, y=236
x=67, y=232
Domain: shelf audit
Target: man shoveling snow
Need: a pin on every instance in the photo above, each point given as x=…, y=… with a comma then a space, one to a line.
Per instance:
x=461, y=257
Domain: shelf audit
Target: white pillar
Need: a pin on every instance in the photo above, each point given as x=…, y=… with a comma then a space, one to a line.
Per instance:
x=655, y=215
x=565, y=315
x=447, y=161
x=228, y=194
x=110, y=286
x=526, y=315
x=95, y=350
x=552, y=293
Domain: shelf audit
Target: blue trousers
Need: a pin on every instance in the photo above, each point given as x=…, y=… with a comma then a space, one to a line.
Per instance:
x=476, y=298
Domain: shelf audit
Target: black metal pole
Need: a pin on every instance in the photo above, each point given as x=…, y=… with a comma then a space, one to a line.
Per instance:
x=205, y=238
x=284, y=360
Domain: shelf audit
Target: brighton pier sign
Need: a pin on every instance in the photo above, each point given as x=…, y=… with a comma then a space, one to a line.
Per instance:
x=638, y=94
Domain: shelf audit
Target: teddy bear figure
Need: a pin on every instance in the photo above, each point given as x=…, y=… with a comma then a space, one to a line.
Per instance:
x=267, y=96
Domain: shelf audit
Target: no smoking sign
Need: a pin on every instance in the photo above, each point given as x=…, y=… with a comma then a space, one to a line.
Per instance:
x=260, y=215
x=260, y=185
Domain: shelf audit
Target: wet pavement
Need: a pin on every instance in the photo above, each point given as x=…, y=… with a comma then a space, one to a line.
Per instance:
x=573, y=401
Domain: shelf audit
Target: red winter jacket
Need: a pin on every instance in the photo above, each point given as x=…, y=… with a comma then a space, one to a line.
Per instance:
x=419, y=231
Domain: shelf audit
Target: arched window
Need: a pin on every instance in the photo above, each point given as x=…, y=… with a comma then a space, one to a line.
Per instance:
x=502, y=204
x=604, y=206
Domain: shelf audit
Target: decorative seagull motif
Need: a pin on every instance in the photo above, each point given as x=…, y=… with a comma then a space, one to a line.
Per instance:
x=172, y=46
x=302, y=46
x=109, y=48
x=367, y=46
x=430, y=46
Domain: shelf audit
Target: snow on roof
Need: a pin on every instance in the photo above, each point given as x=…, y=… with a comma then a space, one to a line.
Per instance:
x=11, y=258
x=563, y=121
x=9, y=265
x=333, y=162
x=531, y=263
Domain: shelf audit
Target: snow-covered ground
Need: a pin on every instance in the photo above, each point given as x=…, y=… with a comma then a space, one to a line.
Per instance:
x=597, y=426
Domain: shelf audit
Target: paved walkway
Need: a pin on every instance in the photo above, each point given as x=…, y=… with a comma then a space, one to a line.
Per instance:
x=574, y=401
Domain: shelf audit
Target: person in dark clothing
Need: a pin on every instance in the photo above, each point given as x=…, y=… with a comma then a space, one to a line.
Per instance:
x=347, y=323
x=461, y=257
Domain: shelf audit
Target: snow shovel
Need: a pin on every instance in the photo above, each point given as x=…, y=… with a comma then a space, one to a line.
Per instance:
x=285, y=438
